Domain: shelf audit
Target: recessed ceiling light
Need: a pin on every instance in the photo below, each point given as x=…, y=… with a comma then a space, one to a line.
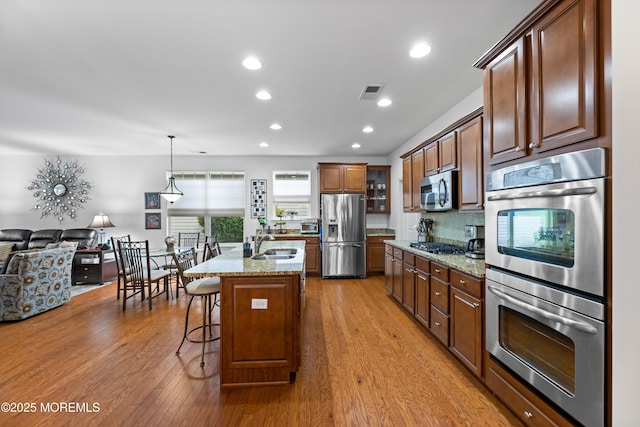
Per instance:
x=252, y=63
x=355, y=145
x=420, y=50
x=367, y=129
x=275, y=126
x=384, y=102
x=264, y=144
x=264, y=95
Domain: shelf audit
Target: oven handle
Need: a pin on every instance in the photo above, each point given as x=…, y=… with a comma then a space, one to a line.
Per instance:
x=544, y=313
x=545, y=193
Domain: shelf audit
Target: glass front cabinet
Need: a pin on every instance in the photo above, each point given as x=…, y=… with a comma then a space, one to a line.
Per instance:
x=378, y=189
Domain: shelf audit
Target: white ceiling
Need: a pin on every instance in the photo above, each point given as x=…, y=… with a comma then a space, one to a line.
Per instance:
x=92, y=77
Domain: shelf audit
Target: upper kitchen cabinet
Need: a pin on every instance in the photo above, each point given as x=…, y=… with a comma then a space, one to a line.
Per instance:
x=542, y=83
x=342, y=177
x=440, y=155
x=470, y=177
x=412, y=173
x=378, y=189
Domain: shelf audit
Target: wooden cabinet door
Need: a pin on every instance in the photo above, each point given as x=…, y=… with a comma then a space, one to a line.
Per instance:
x=422, y=297
x=564, y=93
x=375, y=255
x=465, y=329
x=407, y=184
x=431, y=159
x=470, y=176
x=330, y=178
x=505, y=105
x=408, y=287
x=447, y=152
x=388, y=272
x=354, y=178
x=396, y=290
x=312, y=261
x=417, y=173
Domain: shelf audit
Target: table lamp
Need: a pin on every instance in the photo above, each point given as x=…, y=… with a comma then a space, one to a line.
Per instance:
x=101, y=221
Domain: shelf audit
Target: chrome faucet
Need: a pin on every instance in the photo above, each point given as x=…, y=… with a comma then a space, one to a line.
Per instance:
x=260, y=236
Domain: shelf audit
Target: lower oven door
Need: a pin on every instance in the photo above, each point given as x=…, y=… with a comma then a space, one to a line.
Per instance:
x=553, y=340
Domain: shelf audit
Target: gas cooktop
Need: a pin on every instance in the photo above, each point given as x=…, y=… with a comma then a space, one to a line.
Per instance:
x=438, y=248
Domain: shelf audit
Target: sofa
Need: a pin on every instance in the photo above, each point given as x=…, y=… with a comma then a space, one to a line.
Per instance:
x=18, y=239
x=36, y=281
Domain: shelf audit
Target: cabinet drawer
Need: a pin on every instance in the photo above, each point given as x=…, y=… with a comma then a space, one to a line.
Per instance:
x=440, y=271
x=397, y=253
x=529, y=413
x=422, y=264
x=377, y=239
x=409, y=258
x=469, y=284
x=440, y=295
x=440, y=325
x=388, y=249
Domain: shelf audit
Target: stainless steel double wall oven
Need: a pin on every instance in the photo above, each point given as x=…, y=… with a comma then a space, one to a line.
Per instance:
x=545, y=245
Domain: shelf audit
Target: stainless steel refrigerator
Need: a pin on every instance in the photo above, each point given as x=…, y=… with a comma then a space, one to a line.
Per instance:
x=343, y=235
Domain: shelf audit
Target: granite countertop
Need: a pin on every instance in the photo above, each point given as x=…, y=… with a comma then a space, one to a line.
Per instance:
x=474, y=267
x=380, y=232
x=232, y=263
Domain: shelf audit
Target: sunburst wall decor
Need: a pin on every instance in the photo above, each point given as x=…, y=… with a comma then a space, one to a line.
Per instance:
x=60, y=189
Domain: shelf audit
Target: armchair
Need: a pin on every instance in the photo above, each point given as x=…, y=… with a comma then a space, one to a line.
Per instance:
x=35, y=282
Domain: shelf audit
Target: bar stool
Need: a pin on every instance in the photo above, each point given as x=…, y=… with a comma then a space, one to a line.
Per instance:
x=205, y=288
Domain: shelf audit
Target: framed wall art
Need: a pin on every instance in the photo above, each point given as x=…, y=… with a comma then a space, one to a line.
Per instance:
x=152, y=200
x=258, y=198
x=152, y=221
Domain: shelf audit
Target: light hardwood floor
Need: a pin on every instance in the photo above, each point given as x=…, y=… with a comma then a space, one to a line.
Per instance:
x=364, y=363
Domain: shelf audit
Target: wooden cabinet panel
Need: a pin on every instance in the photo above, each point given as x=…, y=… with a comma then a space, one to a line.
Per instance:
x=379, y=189
x=448, y=152
x=417, y=173
x=342, y=178
x=376, y=254
x=396, y=291
x=407, y=185
x=505, y=105
x=440, y=271
x=408, y=287
x=471, y=176
x=440, y=295
x=564, y=102
x=388, y=272
x=422, y=296
x=431, y=159
x=469, y=284
x=466, y=329
x=259, y=346
x=439, y=325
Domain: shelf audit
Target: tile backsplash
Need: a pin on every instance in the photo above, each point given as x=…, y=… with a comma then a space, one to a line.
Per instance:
x=450, y=225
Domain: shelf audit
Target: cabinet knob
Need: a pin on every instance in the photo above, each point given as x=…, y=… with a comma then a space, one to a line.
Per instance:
x=437, y=323
x=437, y=293
x=528, y=414
x=518, y=148
x=533, y=145
x=462, y=282
x=437, y=270
x=476, y=305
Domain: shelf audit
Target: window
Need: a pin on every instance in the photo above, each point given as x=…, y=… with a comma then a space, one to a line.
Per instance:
x=292, y=191
x=213, y=203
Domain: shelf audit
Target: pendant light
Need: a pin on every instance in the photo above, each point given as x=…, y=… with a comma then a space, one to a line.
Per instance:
x=171, y=193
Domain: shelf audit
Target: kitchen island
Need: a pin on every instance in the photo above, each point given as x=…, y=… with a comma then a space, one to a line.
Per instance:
x=260, y=312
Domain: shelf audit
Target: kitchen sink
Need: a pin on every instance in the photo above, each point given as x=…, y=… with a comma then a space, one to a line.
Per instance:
x=281, y=251
x=266, y=256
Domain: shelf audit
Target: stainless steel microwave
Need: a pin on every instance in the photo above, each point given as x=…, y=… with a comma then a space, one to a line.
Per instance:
x=439, y=192
x=309, y=226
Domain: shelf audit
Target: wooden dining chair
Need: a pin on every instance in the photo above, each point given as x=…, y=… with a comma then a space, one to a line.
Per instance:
x=139, y=277
x=205, y=288
x=119, y=266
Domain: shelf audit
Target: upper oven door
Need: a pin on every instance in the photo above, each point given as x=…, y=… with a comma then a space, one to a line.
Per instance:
x=553, y=232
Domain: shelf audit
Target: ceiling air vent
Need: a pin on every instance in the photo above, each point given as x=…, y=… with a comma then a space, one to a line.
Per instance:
x=371, y=92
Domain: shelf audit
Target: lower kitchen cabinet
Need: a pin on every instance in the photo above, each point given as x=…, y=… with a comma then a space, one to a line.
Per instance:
x=449, y=303
x=376, y=254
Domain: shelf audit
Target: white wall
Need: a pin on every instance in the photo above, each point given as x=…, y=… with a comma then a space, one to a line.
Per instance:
x=119, y=184
x=626, y=176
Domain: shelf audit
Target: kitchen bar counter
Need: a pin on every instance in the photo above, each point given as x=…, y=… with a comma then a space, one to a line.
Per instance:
x=474, y=267
x=232, y=263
